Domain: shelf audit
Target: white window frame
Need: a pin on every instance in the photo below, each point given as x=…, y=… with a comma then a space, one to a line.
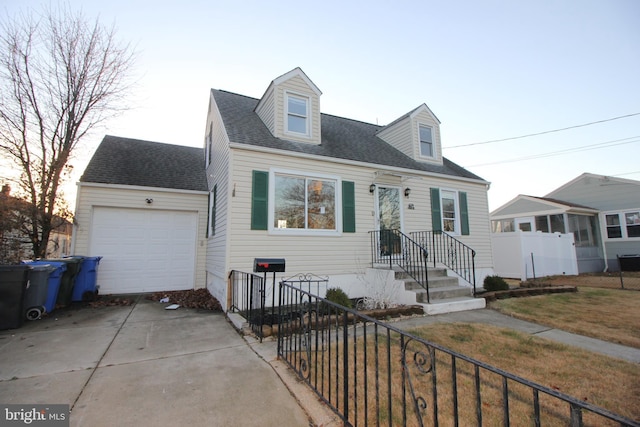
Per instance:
x=304, y=231
x=456, y=206
x=433, y=142
x=622, y=218
x=307, y=100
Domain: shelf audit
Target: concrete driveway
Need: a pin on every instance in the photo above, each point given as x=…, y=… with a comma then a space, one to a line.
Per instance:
x=144, y=365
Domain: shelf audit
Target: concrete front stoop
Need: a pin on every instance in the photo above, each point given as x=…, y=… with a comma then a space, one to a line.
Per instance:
x=446, y=295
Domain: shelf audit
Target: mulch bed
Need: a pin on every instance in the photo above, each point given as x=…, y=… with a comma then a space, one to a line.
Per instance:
x=199, y=299
x=193, y=298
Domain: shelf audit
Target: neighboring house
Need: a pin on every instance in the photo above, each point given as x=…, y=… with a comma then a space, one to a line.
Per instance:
x=602, y=214
x=277, y=179
x=142, y=206
x=15, y=243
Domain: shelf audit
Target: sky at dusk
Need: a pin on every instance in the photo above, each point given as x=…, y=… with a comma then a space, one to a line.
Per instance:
x=489, y=70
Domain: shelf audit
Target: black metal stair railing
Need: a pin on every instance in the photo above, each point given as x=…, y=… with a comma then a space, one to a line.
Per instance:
x=394, y=248
x=445, y=249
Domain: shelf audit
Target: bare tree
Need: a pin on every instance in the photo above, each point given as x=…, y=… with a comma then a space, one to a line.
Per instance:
x=60, y=76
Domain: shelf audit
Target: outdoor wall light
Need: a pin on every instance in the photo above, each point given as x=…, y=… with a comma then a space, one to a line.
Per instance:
x=372, y=188
x=407, y=191
x=149, y=201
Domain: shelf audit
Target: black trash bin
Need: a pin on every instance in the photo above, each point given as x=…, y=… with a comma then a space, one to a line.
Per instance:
x=35, y=298
x=13, y=285
x=68, y=280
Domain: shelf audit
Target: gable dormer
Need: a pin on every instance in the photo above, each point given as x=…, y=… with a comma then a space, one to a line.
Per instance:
x=290, y=108
x=416, y=134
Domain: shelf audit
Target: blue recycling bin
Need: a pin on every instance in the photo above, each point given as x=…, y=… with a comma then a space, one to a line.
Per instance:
x=85, y=288
x=57, y=269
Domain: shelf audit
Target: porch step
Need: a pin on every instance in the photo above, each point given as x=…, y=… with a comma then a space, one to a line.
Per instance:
x=445, y=293
x=452, y=305
x=435, y=283
x=432, y=273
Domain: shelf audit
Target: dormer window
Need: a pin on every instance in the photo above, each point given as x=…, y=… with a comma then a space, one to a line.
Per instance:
x=426, y=141
x=297, y=114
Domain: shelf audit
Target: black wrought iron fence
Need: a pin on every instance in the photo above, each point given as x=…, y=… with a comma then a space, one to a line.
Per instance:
x=371, y=373
x=394, y=248
x=248, y=299
x=446, y=249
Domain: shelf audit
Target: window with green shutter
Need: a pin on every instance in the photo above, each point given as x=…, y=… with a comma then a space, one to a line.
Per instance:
x=449, y=211
x=212, y=214
x=464, y=213
x=348, y=207
x=260, y=200
x=436, y=215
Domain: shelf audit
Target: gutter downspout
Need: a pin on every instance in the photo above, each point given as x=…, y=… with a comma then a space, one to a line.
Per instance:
x=604, y=247
x=74, y=223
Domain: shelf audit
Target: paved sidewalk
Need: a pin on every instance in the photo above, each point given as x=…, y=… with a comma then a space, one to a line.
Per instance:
x=144, y=365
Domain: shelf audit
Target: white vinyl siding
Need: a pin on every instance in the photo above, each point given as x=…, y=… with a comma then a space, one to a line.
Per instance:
x=600, y=192
x=218, y=176
x=404, y=135
x=349, y=252
x=266, y=110
x=400, y=136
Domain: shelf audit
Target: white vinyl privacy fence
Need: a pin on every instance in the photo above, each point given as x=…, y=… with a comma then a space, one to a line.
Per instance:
x=526, y=255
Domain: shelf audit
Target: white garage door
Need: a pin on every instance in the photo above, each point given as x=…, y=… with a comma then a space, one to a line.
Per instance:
x=143, y=250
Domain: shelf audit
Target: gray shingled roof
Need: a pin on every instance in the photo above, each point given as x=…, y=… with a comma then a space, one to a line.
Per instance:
x=341, y=138
x=128, y=161
x=563, y=202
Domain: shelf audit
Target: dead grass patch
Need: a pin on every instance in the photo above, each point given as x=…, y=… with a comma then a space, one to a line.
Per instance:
x=377, y=390
x=606, y=314
x=606, y=382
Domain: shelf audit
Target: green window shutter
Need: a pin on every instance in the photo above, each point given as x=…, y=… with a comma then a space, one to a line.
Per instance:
x=208, y=212
x=213, y=210
x=464, y=213
x=260, y=200
x=436, y=215
x=348, y=207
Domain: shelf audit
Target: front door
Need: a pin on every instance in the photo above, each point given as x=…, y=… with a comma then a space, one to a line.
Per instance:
x=389, y=217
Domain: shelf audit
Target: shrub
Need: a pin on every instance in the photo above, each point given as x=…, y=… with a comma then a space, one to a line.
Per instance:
x=495, y=283
x=338, y=296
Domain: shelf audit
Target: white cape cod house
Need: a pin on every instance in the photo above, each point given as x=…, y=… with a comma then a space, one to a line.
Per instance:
x=283, y=180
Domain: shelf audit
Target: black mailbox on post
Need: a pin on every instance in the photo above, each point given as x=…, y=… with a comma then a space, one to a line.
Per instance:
x=268, y=265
